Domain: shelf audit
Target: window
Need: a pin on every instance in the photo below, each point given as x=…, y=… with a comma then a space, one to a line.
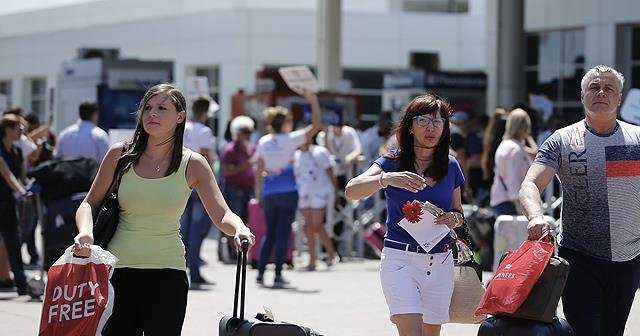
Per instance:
x=368, y=84
x=5, y=89
x=35, y=95
x=554, y=66
x=634, y=62
x=436, y=6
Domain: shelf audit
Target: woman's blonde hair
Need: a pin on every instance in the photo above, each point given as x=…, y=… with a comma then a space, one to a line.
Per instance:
x=517, y=123
x=276, y=116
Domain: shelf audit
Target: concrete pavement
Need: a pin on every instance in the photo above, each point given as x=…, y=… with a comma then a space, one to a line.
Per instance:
x=344, y=300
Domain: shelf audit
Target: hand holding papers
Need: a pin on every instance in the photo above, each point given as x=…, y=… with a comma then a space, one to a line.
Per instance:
x=419, y=222
x=299, y=78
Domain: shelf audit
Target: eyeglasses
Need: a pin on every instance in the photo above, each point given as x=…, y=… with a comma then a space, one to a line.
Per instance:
x=424, y=121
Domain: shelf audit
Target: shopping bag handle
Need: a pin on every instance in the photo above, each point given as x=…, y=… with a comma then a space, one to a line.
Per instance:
x=546, y=237
x=241, y=267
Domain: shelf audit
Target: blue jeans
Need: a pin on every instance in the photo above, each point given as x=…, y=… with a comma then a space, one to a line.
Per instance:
x=193, y=225
x=505, y=208
x=279, y=213
x=237, y=198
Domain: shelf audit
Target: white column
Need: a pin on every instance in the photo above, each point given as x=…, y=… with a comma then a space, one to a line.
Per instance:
x=329, y=40
x=600, y=44
x=510, y=52
x=505, y=61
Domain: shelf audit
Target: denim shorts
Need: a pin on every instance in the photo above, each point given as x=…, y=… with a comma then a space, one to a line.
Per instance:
x=417, y=283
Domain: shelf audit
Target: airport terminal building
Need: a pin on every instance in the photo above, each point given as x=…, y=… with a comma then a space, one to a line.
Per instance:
x=453, y=46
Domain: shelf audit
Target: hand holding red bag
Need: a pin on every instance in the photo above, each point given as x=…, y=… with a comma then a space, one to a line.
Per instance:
x=515, y=277
x=78, y=297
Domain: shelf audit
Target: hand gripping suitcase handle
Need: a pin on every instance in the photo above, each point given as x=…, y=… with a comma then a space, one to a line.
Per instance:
x=241, y=267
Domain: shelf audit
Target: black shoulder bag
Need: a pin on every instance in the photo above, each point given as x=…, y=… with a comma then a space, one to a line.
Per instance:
x=106, y=221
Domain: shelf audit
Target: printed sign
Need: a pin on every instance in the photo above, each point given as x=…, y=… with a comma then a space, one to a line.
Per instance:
x=299, y=78
x=630, y=110
x=543, y=104
x=198, y=86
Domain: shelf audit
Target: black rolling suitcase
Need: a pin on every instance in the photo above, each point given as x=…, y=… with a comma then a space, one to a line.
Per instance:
x=509, y=326
x=260, y=325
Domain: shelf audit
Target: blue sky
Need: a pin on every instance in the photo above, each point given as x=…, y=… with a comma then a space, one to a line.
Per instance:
x=16, y=6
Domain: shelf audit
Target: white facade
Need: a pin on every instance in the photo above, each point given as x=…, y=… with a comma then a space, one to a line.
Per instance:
x=598, y=18
x=237, y=37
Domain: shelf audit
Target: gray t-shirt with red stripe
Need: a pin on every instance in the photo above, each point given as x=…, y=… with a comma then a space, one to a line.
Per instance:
x=600, y=177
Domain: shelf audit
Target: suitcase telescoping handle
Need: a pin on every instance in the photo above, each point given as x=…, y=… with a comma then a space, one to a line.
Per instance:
x=241, y=267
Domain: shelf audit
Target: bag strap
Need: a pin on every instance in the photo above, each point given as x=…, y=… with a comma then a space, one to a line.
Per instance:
x=241, y=268
x=117, y=176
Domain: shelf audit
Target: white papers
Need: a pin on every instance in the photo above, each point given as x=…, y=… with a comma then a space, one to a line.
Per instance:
x=299, y=78
x=426, y=232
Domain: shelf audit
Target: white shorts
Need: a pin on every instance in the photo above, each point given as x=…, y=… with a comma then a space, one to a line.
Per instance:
x=417, y=283
x=312, y=201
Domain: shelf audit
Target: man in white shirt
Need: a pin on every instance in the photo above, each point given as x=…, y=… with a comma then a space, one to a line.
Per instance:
x=197, y=135
x=195, y=223
x=84, y=138
x=375, y=137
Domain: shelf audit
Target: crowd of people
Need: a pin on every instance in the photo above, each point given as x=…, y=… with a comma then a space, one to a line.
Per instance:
x=427, y=152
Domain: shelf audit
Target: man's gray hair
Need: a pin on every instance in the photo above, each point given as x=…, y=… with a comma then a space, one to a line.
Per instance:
x=600, y=69
x=239, y=123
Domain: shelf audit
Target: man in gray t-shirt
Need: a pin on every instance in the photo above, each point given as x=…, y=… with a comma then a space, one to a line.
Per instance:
x=598, y=163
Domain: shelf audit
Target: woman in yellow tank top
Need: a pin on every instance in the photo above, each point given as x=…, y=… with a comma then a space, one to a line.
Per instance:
x=150, y=279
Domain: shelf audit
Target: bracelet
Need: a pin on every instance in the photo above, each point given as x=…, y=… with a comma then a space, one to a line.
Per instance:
x=534, y=216
x=458, y=211
x=380, y=180
x=458, y=222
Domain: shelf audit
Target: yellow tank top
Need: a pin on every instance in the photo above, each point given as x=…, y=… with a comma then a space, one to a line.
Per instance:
x=148, y=234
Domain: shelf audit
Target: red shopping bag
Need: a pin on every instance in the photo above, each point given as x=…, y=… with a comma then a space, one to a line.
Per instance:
x=78, y=297
x=515, y=277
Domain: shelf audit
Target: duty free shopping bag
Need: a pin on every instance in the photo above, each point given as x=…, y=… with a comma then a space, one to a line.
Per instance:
x=78, y=296
x=515, y=277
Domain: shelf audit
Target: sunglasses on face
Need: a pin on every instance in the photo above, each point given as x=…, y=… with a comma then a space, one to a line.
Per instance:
x=424, y=121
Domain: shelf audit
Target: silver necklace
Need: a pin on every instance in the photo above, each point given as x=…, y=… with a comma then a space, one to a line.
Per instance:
x=157, y=164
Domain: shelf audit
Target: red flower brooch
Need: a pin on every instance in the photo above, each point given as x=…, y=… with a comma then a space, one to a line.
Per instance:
x=412, y=211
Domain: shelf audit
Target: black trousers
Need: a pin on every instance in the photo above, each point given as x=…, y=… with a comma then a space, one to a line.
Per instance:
x=12, y=242
x=598, y=295
x=338, y=228
x=153, y=301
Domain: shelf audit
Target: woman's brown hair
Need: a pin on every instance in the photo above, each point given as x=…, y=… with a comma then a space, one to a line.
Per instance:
x=8, y=121
x=134, y=148
x=430, y=104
